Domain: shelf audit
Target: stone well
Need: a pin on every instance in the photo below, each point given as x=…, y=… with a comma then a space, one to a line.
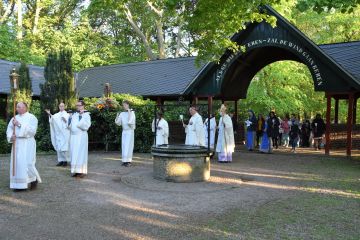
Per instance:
x=181, y=163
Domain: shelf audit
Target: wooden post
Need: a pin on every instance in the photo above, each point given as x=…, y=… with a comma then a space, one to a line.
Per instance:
x=336, y=118
x=195, y=100
x=355, y=110
x=210, y=103
x=327, y=132
x=236, y=110
x=350, y=124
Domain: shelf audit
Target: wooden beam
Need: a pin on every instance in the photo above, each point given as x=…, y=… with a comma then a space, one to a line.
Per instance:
x=236, y=110
x=327, y=132
x=355, y=110
x=350, y=124
x=195, y=100
x=336, y=118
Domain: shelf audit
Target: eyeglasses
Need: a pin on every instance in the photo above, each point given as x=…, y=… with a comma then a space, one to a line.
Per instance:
x=78, y=105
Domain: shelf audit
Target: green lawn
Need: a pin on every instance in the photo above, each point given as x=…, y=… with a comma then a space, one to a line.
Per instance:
x=326, y=206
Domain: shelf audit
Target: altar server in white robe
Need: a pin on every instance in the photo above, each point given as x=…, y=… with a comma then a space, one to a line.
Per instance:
x=226, y=143
x=162, y=129
x=127, y=121
x=79, y=124
x=195, y=129
x=212, y=131
x=60, y=134
x=25, y=125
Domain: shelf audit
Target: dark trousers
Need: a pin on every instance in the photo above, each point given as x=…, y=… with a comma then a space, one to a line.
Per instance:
x=275, y=142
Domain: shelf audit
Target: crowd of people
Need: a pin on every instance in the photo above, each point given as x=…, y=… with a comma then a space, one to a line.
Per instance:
x=69, y=137
x=267, y=133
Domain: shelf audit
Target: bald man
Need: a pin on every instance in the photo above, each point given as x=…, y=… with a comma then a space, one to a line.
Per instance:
x=25, y=124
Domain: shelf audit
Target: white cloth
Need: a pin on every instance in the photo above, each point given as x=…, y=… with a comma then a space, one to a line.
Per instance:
x=195, y=131
x=79, y=142
x=25, y=151
x=226, y=141
x=128, y=123
x=212, y=131
x=162, y=131
x=60, y=134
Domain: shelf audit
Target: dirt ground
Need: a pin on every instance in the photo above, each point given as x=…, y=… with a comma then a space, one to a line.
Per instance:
x=258, y=196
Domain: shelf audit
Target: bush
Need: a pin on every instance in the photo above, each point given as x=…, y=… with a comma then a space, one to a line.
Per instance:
x=5, y=146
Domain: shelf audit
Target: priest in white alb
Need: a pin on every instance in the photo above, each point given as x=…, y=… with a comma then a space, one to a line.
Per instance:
x=24, y=173
x=226, y=143
x=79, y=123
x=60, y=134
x=127, y=121
x=212, y=131
x=194, y=129
x=161, y=127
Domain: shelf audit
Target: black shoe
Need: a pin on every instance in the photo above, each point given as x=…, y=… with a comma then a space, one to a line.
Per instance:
x=64, y=164
x=80, y=175
x=123, y=164
x=60, y=164
x=128, y=164
x=33, y=184
x=74, y=174
x=19, y=190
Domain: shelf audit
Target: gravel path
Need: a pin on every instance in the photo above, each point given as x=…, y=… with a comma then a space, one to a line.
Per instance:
x=115, y=202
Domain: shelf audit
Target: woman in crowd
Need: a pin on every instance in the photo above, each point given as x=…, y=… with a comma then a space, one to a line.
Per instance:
x=294, y=133
x=285, y=126
x=305, y=133
x=273, y=128
x=266, y=144
x=251, y=129
x=260, y=126
x=318, y=129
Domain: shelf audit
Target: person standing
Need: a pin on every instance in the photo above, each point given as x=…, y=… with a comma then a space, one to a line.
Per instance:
x=294, y=133
x=212, y=131
x=266, y=144
x=318, y=128
x=60, y=134
x=251, y=130
x=195, y=129
x=24, y=172
x=226, y=143
x=79, y=123
x=260, y=126
x=285, y=126
x=273, y=128
x=305, y=133
x=162, y=129
x=127, y=121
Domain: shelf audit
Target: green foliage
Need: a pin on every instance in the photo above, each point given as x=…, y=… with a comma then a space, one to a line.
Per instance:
x=324, y=5
x=5, y=146
x=286, y=87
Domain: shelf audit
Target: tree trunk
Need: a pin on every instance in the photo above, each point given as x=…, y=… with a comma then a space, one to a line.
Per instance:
x=160, y=38
x=159, y=29
x=37, y=16
x=19, y=20
x=178, y=43
x=138, y=31
x=8, y=11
